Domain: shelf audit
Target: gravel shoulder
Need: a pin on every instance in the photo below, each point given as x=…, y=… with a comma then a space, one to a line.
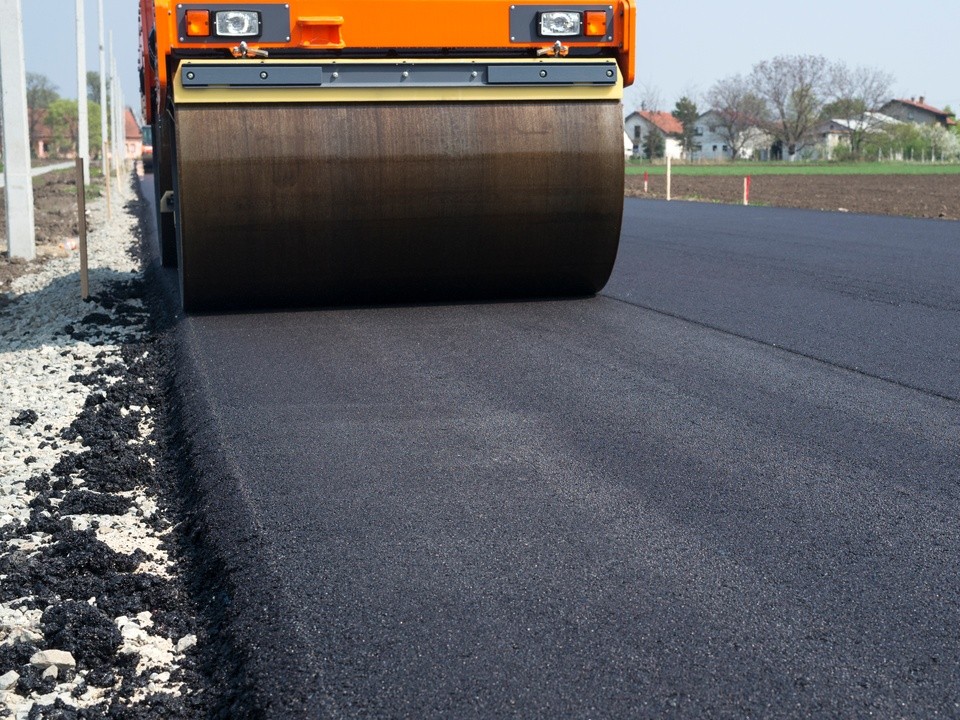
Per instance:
x=96, y=619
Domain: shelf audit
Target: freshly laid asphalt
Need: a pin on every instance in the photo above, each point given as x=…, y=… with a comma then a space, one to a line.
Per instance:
x=726, y=487
x=876, y=294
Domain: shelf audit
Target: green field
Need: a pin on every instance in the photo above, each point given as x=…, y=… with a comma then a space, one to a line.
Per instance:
x=741, y=169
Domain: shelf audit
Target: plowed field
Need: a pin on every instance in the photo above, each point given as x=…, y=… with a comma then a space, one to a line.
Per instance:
x=925, y=196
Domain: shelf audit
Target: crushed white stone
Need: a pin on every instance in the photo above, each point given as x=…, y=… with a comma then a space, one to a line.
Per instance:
x=34, y=374
x=53, y=658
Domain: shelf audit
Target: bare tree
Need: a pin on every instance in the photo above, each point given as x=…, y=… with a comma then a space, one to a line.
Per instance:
x=858, y=94
x=645, y=96
x=741, y=113
x=795, y=88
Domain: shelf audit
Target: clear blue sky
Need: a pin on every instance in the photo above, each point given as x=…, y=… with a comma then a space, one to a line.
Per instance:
x=49, y=37
x=688, y=46
x=683, y=47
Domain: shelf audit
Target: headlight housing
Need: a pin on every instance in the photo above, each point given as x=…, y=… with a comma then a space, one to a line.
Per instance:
x=237, y=23
x=559, y=23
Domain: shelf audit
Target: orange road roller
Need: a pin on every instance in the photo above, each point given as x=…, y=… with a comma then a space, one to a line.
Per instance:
x=318, y=152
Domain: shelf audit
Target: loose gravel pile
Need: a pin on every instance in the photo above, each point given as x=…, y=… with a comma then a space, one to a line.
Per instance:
x=95, y=619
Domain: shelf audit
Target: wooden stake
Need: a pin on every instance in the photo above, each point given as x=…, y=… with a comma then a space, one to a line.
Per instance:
x=105, y=166
x=82, y=224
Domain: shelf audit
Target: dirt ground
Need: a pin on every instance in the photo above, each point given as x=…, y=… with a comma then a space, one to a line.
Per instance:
x=924, y=196
x=55, y=215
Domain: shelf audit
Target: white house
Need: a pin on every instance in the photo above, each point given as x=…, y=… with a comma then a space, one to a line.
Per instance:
x=837, y=131
x=640, y=123
x=710, y=142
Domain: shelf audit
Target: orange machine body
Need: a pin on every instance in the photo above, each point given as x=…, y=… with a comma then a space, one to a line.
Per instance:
x=374, y=28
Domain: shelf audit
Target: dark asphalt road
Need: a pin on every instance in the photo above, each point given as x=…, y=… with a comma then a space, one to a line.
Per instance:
x=596, y=509
x=876, y=294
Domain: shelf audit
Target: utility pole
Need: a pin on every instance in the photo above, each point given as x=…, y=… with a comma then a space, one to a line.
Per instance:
x=119, y=136
x=21, y=240
x=104, y=137
x=83, y=121
x=115, y=106
x=104, y=134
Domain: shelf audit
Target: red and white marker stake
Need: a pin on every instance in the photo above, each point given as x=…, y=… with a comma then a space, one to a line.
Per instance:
x=646, y=181
x=746, y=190
x=669, y=178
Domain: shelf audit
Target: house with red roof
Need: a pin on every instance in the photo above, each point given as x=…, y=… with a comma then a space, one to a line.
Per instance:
x=916, y=110
x=133, y=137
x=41, y=138
x=640, y=123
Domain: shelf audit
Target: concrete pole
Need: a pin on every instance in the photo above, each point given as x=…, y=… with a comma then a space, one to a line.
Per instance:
x=121, y=129
x=83, y=120
x=21, y=239
x=104, y=133
x=113, y=100
x=121, y=123
x=119, y=142
x=115, y=107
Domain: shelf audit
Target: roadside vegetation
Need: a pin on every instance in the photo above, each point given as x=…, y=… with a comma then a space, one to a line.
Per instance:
x=802, y=108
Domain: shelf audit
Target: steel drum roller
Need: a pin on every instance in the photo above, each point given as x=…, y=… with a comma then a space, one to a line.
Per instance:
x=315, y=204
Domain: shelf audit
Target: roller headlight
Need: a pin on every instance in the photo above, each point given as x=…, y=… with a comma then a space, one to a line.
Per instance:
x=559, y=24
x=238, y=23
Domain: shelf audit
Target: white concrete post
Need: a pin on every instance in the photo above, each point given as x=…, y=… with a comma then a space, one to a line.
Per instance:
x=83, y=120
x=116, y=95
x=113, y=102
x=104, y=133
x=21, y=239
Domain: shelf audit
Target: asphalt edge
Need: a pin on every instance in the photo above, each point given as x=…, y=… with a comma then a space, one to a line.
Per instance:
x=229, y=571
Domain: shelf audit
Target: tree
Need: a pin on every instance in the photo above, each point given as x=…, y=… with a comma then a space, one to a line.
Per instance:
x=943, y=144
x=41, y=93
x=858, y=94
x=842, y=108
x=645, y=96
x=794, y=87
x=93, y=130
x=741, y=113
x=93, y=86
x=686, y=112
x=955, y=128
x=63, y=124
x=909, y=141
x=62, y=121
x=655, y=146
